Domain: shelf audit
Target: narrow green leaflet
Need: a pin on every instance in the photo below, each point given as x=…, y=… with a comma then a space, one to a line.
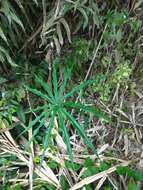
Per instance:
x=55, y=80
x=40, y=94
x=65, y=134
x=37, y=109
x=66, y=75
x=35, y=132
x=33, y=122
x=78, y=88
x=80, y=130
x=45, y=86
x=48, y=134
x=85, y=108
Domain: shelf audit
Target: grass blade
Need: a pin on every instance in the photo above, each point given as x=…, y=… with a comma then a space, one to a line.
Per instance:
x=17, y=20
x=36, y=2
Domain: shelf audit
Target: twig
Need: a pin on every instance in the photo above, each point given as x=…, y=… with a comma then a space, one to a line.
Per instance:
x=44, y=12
x=98, y=176
x=95, y=54
x=92, y=62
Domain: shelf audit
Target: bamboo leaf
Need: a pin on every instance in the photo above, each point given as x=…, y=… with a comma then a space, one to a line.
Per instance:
x=57, y=44
x=7, y=56
x=82, y=11
x=59, y=33
x=66, y=26
x=2, y=35
x=17, y=20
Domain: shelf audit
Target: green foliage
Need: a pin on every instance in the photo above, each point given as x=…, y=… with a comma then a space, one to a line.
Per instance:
x=44, y=186
x=71, y=29
x=10, y=102
x=121, y=73
x=7, y=187
x=58, y=106
x=70, y=165
x=135, y=174
x=81, y=50
x=9, y=21
x=92, y=168
x=106, y=84
x=54, y=29
x=133, y=186
x=64, y=183
x=53, y=165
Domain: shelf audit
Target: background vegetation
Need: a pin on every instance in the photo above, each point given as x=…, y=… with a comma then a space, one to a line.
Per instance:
x=71, y=101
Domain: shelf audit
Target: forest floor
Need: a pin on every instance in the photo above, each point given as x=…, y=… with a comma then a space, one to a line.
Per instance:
x=71, y=111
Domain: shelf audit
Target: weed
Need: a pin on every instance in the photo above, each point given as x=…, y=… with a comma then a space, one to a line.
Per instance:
x=57, y=107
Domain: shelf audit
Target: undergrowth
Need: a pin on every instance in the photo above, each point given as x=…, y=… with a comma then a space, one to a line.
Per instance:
x=71, y=95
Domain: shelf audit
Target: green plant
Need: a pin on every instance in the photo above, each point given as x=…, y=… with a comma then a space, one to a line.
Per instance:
x=121, y=73
x=106, y=36
x=106, y=84
x=56, y=22
x=12, y=17
x=53, y=28
x=134, y=176
x=11, y=29
x=10, y=102
x=57, y=106
x=79, y=55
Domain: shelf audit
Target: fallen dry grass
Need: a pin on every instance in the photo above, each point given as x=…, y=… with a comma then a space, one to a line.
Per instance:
x=124, y=139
